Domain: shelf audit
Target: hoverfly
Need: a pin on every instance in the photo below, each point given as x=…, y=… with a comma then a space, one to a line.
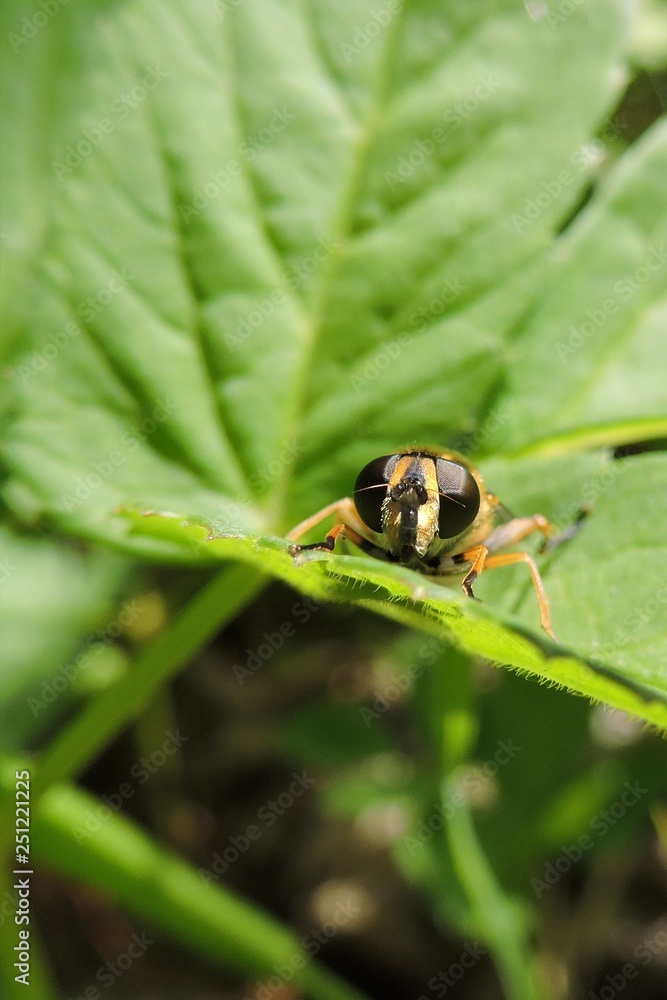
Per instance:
x=429, y=510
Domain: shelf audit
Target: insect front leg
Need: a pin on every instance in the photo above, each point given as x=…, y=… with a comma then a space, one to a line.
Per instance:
x=347, y=525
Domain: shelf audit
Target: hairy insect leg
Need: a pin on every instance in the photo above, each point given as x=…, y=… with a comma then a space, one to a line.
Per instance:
x=516, y=530
x=507, y=559
x=342, y=509
x=509, y=534
x=478, y=557
x=348, y=525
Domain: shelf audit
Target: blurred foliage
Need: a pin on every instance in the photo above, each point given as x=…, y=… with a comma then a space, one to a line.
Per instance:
x=248, y=246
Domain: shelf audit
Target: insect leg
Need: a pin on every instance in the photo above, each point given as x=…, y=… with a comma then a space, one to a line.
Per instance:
x=567, y=533
x=341, y=508
x=348, y=525
x=516, y=530
x=509, y=534
x=478, y=558
x=514, y=557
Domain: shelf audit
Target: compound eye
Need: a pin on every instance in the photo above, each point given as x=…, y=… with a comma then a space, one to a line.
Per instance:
x=459, y=498
x=370, y=489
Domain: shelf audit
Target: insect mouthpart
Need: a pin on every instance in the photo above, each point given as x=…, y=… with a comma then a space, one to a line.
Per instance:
x=410, y=492
x=402, y=505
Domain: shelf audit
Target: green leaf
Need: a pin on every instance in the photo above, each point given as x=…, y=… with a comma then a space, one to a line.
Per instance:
x=606, y=587
x=598, y=329
x=398, y=593
x=264, y=295
x=53, y=599
x=239, y=300
x=219, y=269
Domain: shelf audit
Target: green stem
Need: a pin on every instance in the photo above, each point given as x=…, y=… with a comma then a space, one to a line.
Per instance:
x=497, y=917
x=164, y=892
x=108, y=714
x=585, y=438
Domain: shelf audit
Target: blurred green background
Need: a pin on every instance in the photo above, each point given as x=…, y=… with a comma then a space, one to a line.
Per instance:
x=241, y=790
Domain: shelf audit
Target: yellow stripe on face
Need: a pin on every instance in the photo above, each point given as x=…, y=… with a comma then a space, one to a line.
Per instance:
x=421, y=467
x=427, y=528
x=408, y=465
